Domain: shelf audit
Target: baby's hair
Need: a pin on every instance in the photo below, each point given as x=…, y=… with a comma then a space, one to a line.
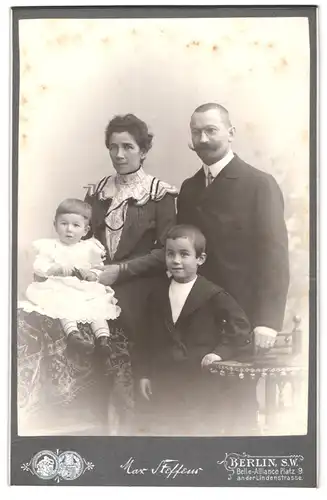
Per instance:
x=74, y=206
x=192, y=233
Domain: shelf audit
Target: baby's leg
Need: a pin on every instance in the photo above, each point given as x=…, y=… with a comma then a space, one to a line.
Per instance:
x=102, y=337
x=75, y=339
x=69, y=326
x=100, y=328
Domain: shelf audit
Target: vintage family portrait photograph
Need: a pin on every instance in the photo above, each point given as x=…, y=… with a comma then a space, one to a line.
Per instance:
x=164, y=168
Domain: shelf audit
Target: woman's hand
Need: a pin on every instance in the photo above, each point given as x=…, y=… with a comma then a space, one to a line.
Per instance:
x=110, y=275
x=85, y=275
x=145, y=388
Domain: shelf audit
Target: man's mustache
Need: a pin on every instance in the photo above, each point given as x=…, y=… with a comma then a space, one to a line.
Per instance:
x=199, y=149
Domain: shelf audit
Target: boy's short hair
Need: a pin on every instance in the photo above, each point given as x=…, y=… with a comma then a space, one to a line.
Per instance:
x=74, y=206
x=192, y=233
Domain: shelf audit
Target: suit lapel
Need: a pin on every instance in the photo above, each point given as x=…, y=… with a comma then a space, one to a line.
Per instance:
x=232, y=170
x=163, y=307
x=197, y=186
x=200, y=293
x=221, y=183
x=179, y=350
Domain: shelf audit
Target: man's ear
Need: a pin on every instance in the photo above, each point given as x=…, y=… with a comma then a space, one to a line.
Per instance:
x=202, y=258
x=86, y=229
x=231, y=133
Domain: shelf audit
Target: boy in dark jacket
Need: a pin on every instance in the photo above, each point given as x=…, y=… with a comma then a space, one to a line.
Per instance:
x=191, y=323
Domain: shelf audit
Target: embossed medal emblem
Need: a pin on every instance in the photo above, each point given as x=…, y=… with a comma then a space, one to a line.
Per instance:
x=66, y=465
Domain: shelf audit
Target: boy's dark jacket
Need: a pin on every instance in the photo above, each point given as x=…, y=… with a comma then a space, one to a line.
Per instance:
x=210, y=321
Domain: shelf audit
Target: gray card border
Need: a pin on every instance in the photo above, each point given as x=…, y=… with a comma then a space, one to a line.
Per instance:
x=108, y=453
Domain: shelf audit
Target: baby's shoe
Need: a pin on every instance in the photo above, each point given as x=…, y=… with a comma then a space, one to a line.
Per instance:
x=102, y=345
x=77, y=342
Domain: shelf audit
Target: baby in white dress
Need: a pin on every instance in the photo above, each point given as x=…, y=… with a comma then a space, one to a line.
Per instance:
x=66, y=270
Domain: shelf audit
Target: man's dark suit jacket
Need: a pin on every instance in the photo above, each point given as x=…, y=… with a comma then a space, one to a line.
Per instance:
x=200, y=329
x=242, y=217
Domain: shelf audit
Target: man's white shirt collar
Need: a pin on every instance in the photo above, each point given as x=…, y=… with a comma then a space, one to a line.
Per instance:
x=217, y=167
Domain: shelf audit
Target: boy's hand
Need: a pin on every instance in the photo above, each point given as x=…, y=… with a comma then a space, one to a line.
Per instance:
x=208, y=359
x=85, y=275
x=145, y=388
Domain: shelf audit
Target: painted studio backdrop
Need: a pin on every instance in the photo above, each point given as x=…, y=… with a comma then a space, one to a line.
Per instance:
x=76, y=74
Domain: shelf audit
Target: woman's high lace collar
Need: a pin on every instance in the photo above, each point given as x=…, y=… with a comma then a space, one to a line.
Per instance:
x=138, y=185
x=133, y=178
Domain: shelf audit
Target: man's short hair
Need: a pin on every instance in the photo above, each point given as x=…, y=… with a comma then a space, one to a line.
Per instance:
x=213, y=105
x=192, y=233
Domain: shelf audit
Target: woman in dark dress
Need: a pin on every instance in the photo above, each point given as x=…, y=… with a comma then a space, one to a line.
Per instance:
x=132, y=213
x=70, y=393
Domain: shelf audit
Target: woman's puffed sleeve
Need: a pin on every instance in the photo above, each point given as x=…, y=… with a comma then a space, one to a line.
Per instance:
x=44, y=259
x=92, y=197
x=155, y=259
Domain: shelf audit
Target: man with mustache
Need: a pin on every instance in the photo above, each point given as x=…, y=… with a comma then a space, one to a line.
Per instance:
x=240, y=210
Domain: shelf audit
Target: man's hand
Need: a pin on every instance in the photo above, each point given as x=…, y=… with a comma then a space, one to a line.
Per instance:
x=85, y=275
x=264, y=337
x=209, y=358
x=145, y=388
x=110, y=275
